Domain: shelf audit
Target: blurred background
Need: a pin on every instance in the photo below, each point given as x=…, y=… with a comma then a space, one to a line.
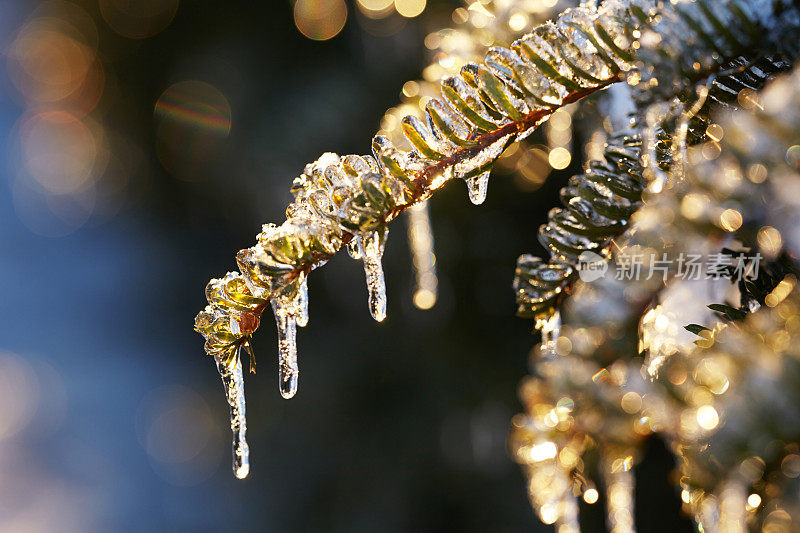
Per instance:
x=143, y=144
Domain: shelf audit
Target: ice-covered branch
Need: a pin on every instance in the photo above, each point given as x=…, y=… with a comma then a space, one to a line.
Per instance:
x=348, y=201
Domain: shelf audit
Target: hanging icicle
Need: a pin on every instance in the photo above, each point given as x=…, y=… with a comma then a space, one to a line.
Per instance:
x=420, y=240
x=233, y=381
x=370, y=247
x=286, y=320
x=477, y=188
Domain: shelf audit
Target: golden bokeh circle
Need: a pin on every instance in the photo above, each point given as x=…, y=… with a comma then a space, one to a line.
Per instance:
x=320, y=20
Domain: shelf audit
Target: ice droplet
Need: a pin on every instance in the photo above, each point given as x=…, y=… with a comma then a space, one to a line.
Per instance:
x=370, y=245
x=477, y=187
x=233, y=381
x=285, y=318
x=352, y=249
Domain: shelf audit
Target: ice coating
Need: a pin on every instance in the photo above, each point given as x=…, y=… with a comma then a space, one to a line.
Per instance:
x=233, y=381
x=302, y=303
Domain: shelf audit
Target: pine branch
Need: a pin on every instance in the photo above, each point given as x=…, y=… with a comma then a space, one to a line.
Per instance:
x=347, y=202
x=600, y=202
x=342, y=200
x=716, y=405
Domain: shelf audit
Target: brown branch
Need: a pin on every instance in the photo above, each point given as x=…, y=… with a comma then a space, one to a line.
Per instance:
x=424, y=178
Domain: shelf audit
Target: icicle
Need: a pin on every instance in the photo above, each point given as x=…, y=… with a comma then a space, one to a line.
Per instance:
x=233, y=381
x=477, y=187
x=619, y=495
x=420, y=240
x=302, y=303
x=286, y=320
x=370, y=246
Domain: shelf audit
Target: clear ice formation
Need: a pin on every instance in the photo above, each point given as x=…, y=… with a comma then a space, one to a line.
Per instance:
x=233, y=381
x=477, y=188
x=370, y=247
x=286, y=321
x=302, y=303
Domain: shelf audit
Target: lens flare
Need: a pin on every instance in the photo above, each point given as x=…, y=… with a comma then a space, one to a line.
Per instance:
x=193, y=119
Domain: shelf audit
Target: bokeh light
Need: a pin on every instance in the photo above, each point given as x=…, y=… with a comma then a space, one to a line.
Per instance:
x=559, y=158
x=59, y=151
x=181, y=436
x=193, y=118
x=47, y=65
x=410, y=8
x=138, y=19
x=320, y=20
x=18, y=395
x=376, y=9
x=33, y=403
